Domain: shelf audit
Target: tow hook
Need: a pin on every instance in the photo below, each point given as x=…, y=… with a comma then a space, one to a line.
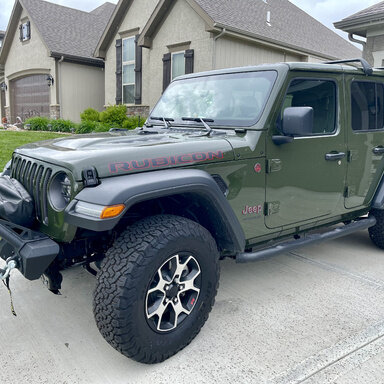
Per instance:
x=4, y=273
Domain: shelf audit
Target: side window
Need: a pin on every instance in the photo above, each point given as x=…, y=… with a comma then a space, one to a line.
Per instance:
x=318, y=94
x=129, y=70
x=367, y=106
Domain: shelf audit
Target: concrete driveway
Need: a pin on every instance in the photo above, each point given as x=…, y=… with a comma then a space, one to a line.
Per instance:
x=314, y=316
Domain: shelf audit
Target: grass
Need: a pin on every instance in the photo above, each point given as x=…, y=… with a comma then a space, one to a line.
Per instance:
x=9, y=141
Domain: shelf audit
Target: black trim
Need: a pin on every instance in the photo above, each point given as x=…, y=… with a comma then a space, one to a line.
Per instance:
x=378, y=199
x=166, y=70
x=119, y=71
x=138, y=71
x=189, y=61
x=136, y=188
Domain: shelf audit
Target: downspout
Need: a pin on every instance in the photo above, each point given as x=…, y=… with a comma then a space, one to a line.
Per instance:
x=59, y=91
x=354, y=40
x=221, y=34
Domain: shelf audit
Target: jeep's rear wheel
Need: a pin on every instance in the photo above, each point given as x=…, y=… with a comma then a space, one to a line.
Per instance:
x=376, y=233
x=156, y=287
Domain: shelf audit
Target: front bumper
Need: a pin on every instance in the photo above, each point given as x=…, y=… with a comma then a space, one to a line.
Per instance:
x=32, y=251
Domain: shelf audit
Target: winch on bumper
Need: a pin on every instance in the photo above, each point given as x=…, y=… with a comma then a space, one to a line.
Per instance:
x=29, y=251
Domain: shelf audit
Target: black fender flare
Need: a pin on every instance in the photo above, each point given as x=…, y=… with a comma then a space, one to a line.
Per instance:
x=378, y=198
x=136, y=188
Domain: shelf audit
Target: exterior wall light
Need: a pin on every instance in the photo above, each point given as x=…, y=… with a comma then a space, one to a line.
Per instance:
x=3, y=87
x=50, y=80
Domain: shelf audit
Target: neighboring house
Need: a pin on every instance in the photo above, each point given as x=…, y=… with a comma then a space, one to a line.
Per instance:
x=48, y=61
x=2, y=83
x=369, y=24
x=147, y=43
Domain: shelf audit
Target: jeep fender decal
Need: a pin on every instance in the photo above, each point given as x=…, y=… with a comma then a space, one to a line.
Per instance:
x=164, y=161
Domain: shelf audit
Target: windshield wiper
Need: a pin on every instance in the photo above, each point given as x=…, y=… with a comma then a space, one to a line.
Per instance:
x=201, y=120
x=165, y=120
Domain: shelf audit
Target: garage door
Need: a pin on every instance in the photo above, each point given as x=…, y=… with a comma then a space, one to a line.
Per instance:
x=30, y=96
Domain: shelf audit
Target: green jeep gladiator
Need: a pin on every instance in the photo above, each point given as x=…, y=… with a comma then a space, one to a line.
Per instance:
x=243, y=163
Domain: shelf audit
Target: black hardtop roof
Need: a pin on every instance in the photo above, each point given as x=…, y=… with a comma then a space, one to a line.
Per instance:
x=292, y=66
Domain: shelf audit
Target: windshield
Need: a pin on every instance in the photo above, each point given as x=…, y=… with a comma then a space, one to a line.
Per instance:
x=236, y=99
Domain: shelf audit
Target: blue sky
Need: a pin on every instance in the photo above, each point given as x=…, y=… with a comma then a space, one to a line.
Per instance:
x=326, y=11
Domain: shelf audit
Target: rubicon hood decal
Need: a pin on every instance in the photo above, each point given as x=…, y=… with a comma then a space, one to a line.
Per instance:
x=164, y=161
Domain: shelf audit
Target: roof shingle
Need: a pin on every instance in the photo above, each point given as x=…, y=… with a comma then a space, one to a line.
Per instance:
x=66, y=30
x=289, y=24
x=370, y=11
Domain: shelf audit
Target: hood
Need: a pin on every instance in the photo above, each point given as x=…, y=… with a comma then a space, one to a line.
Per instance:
x=113, y=154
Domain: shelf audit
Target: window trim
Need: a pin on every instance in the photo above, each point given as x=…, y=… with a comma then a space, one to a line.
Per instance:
x=357, y=131
x=172, y=54
x=123, y=63
x=26, y=23
x=336, y=131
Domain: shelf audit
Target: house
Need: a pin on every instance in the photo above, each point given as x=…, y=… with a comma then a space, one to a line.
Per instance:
x=368, y=24
x=148, y=43
x=49, y=67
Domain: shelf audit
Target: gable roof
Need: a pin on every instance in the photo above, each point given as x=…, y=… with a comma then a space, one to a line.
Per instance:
x=358, y=22
x=289, y=26
x=65, y=31
x=112, y=27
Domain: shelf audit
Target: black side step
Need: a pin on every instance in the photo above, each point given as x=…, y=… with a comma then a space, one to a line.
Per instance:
x=308, y=239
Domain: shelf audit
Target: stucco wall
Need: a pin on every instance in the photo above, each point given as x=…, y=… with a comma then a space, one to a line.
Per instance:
x=82, y=87
x=232, y=52
x=136, y=17
x=183, y=24
x=27, y=58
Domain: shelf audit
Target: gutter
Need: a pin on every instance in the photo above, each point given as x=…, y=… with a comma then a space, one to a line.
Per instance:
x=78, y=59
x=354, y=40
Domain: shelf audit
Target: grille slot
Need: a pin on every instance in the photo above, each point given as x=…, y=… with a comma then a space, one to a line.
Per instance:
x=35, y=179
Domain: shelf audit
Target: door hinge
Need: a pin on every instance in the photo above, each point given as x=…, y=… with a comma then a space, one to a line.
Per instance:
x=274, y=165
x=271, y=208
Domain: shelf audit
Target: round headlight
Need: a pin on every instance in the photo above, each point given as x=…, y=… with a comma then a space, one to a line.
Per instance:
x=60, y=191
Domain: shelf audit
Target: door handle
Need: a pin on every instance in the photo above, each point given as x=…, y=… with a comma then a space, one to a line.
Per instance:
x=333, y=156
x=378, y=150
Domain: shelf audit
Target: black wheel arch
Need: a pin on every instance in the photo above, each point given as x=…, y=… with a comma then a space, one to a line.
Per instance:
x=206, y=202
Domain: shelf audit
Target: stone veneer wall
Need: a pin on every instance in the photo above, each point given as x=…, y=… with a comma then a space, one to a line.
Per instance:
x=54, y=111
x=138, y=110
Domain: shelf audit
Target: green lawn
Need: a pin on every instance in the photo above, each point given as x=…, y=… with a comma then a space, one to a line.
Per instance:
x=11, y=140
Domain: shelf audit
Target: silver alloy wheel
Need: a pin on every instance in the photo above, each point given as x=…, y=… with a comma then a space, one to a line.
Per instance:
x=173, y=292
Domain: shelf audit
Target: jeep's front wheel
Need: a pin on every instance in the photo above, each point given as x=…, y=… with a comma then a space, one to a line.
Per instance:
x=376, y=233
x=156, y=287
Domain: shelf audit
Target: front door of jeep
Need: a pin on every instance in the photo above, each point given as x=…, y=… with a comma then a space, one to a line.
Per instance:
x=305, y=178
x=365, y=138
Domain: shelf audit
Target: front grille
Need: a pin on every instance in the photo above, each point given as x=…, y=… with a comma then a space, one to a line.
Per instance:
x=35, y=178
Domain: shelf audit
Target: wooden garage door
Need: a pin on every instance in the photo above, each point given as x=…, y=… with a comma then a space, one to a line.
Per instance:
x=30, y=97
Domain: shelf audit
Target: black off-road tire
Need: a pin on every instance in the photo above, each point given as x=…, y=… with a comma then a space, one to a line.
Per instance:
x=120, y=299
x=376, y=233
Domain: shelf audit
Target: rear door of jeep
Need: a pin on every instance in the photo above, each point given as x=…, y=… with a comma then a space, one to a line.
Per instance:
x=365, y=137
x=306, y=178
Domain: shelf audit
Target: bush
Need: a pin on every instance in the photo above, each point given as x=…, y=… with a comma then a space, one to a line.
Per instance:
x=38, y=123
x=90, y=114
x=133, y=122
x=114, y=114
x=62, y=125
x=86, y=126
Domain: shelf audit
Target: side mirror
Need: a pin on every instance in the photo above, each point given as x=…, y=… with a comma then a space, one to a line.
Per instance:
x=298, y=121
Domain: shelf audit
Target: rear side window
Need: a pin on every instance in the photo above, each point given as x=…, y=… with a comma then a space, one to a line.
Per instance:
x=367, y=106
x=318, y=94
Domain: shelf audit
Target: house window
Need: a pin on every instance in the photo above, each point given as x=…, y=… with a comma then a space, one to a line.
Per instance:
x=178, y=64
x=129, y=70
x=25, y=31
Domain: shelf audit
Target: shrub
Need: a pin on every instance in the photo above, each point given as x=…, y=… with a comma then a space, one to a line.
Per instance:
x=61, y=125
x=133, y=122
x=114, y=114
x=90, y=114
x=38, y=123
x=86, y=126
